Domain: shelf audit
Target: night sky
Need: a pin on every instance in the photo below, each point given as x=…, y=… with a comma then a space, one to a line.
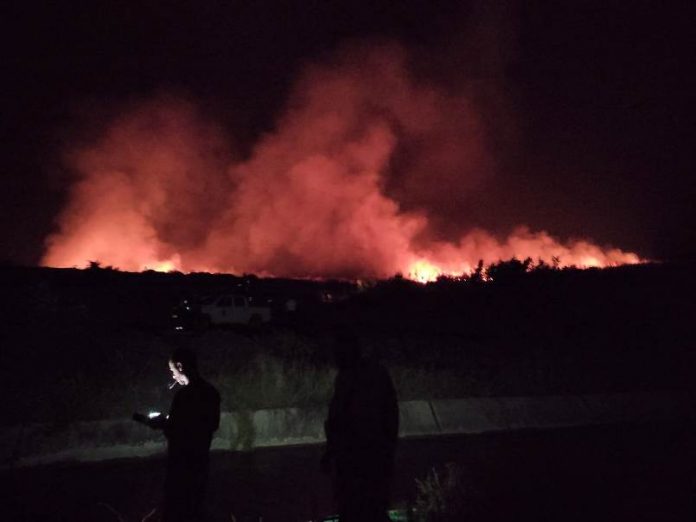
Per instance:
x=588, y=106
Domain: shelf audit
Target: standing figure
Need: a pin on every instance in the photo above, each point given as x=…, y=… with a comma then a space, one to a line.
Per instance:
x=361, y=433
x=193, y=417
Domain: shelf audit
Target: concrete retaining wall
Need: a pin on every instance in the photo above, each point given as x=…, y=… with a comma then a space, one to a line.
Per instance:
x=416, y=419
x=122, y=438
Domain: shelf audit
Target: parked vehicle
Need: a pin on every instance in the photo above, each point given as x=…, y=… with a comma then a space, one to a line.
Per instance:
x=219, y=310
x=235, y=309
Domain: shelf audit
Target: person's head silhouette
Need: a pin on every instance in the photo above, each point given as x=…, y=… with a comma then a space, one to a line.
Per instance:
x=183, y=366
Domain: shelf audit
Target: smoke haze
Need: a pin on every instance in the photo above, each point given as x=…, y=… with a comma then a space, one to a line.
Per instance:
x=354, y=180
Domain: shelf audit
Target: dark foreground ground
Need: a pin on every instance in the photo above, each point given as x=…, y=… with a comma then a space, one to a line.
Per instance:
x=615, y=473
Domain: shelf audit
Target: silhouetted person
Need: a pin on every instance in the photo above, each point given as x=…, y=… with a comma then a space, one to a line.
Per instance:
x=193, y=417
x=361, y=433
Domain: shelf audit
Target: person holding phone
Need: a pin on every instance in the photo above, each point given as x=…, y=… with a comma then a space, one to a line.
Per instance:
x=193, y=418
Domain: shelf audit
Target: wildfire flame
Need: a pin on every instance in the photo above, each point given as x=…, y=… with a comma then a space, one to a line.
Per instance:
x=423, y=271
x=164, y=266
x=320, y=196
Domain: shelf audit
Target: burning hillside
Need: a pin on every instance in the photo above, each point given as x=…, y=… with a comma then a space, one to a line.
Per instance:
x=341, y=188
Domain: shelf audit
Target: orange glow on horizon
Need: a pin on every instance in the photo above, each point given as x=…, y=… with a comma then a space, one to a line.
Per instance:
x=421, y=271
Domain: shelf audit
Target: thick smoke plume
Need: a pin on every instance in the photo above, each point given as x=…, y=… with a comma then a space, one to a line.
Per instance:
x=338, y=189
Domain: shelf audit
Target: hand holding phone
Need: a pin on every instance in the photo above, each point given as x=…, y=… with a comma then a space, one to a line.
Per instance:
x=154, y=419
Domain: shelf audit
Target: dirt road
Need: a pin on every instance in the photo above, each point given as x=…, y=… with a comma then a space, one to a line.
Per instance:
x=635, y=473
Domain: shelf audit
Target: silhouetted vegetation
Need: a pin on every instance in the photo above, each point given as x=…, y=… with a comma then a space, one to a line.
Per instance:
x=90, y=343
x=441, y=496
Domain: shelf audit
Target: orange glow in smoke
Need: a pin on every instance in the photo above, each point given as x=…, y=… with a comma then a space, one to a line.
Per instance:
x=159, y=189
x=164, y=266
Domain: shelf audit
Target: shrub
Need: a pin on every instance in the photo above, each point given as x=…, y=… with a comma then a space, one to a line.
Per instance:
x=441, y=495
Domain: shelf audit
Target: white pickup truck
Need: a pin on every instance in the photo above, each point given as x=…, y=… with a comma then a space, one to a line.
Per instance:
x=234, y=309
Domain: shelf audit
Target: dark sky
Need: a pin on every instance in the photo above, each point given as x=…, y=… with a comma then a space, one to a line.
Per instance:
x=597, y=97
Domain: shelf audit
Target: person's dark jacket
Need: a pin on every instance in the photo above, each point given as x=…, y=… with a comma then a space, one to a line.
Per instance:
x=193, y=418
